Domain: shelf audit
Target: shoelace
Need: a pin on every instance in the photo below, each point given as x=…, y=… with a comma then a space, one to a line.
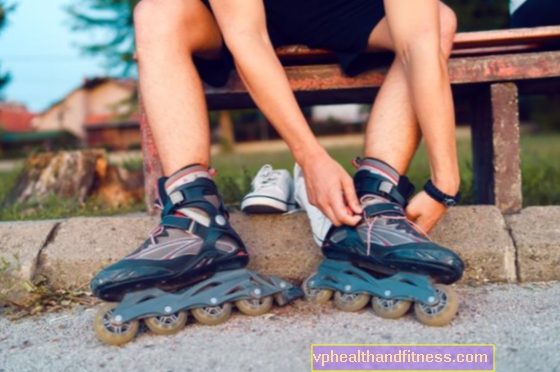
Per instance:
x=370, y=222
x=157, y=231
x=269, y=177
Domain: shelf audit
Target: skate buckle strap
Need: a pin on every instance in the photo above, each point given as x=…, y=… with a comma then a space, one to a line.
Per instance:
x=380, y=209
x=184, y=223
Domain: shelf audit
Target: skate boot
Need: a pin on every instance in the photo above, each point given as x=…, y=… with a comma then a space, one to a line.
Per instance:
x=193, y=260
x=386, y=256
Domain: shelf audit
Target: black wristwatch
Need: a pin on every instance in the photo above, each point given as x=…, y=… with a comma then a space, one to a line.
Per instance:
x=440, y=196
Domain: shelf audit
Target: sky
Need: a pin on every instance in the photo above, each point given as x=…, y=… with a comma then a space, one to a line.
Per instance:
x=39, y=49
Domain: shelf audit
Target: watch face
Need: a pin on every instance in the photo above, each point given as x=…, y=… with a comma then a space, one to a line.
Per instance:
x=450, y=203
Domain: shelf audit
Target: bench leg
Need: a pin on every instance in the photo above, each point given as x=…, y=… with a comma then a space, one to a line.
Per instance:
x=495, y=145
x=152, y=165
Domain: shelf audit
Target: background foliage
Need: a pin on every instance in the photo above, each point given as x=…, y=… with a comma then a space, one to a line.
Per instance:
x=5, y=9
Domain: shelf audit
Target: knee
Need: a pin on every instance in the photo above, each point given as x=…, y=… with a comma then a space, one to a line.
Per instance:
x=158, y=20
x=448, y=29
x=429, y=39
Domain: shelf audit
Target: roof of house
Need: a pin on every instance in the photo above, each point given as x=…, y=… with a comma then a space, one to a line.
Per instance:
x=106, y=121
x=15, y=118
x=91, y=84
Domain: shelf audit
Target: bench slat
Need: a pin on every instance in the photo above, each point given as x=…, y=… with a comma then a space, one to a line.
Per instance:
x=329, y=78
x=481, y=42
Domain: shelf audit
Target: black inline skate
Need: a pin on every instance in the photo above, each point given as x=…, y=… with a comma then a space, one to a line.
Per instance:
x=193, y=260
x=386, y=256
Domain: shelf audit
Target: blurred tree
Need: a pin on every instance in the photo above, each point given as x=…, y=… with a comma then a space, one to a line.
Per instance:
x=475, y=15
x=5, y=8
x=114, y=20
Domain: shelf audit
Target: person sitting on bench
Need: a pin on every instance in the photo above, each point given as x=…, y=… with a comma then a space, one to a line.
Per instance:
x=181, y=43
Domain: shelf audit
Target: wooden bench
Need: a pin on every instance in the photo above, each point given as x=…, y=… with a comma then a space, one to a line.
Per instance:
x=489, y=69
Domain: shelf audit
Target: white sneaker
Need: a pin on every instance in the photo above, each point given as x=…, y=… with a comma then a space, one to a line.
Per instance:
x=320, y=224
x=272, y=192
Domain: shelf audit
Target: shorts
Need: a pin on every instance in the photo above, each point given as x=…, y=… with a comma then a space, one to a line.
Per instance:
x=341, y=26
x=535, y=13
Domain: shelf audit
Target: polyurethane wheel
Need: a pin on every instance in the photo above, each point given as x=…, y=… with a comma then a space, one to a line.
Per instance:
x=167, y=324
x=350, y=302
x=443, y=311
x=254, y=306
x=314, y=294
x=389, y=309
x=212, y=315
x=109, y=330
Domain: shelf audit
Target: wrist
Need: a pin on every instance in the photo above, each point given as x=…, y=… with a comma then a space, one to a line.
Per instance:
x=448, y=200
x=308, y=153
x=448, y=184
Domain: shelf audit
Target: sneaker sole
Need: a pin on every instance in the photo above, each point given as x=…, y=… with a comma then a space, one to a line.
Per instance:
x=263, y=205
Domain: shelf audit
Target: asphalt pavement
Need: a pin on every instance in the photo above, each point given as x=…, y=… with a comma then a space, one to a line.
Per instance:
x=521, y=320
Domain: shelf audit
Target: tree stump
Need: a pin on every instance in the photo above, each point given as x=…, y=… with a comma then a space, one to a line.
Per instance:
x=76, y=175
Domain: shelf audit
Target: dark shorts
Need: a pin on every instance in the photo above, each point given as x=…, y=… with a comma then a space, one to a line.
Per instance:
x=535, y=13
x=342, y=26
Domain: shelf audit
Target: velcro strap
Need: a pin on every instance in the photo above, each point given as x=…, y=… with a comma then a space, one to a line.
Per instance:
x=371, y=183
x=177, y=197
x=184, y=223
x=379, y=209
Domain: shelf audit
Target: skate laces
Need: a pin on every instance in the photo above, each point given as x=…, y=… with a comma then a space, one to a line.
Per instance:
x=370, y=222
x=155, y=232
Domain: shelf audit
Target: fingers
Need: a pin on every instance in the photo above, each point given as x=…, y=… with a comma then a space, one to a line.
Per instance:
x=425, y=223
x=350, y=195
x=340, y=211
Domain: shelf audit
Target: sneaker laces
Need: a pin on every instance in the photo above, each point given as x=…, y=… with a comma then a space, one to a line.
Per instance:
x=267, y=177
x=370, y=222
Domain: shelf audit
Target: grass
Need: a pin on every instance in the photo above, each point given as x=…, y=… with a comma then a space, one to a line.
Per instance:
x=540, y=162
x=52, y=208
x=540, y=169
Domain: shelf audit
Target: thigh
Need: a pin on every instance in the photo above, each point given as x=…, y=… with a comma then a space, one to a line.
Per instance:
x=207, y=38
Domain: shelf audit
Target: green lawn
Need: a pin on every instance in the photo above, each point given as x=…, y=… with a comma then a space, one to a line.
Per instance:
x=540, y=167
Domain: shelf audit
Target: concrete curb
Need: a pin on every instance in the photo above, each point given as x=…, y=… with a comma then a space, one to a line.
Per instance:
x=536, y=233
x=70, y=252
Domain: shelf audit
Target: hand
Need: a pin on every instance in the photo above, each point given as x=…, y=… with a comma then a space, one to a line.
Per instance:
x=331, y=189
x=425, y=211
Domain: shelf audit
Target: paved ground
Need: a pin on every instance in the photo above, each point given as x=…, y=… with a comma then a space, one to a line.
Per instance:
x=522, y=321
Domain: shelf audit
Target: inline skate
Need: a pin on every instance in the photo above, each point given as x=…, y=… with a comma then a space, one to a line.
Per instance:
x=192, y=262
x=386, y=258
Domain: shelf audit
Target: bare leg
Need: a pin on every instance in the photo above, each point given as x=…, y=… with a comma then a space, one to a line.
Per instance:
x=168, y=33
x=393, y=133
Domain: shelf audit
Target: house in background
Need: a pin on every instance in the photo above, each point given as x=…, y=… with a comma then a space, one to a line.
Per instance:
x=100, y=113
x=17, y=137
x=15, y=118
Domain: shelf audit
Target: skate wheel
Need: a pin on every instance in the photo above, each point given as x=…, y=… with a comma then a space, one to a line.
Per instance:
x=350, y=302
x=167, y=324
x=255, y=306
x=314, y=294
x=441, y=313
x=110, y=331
x=389, y=309
x=212, y=315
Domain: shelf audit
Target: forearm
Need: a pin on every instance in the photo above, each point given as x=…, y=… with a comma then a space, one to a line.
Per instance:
x=266, y=81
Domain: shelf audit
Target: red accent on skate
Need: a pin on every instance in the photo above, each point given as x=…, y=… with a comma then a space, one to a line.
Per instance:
x=170, y=184
x=387, y=175
x=241, y=253
x=212, y=172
